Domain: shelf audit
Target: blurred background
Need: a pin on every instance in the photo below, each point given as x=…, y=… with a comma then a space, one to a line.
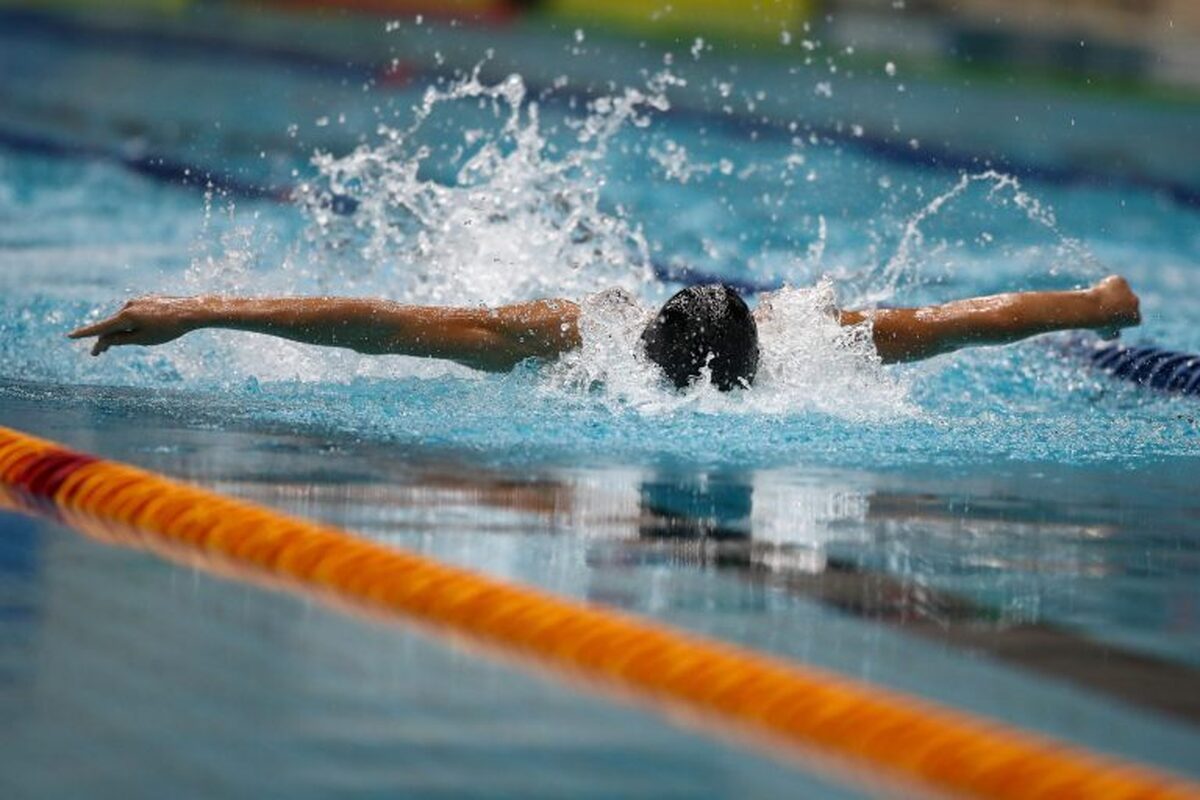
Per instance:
x=1033, y=86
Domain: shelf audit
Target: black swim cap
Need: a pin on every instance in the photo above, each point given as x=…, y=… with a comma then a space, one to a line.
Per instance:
x=704, y=326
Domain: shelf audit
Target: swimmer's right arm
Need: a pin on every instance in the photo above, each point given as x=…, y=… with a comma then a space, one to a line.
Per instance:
x=493, y=339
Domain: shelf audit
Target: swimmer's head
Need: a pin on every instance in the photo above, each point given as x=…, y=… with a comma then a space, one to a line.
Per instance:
x=704, y=326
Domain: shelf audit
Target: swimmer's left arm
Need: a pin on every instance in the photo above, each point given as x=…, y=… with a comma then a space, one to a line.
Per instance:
x=483, y=338
x=911, y=334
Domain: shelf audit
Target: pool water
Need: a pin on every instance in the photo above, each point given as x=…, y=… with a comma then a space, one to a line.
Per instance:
x=1001, y=529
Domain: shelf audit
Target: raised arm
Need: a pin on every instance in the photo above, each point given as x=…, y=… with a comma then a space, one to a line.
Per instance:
x=910, y=334
x=483, y=338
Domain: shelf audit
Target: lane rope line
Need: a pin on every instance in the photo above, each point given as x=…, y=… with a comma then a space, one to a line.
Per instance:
x=910, y=741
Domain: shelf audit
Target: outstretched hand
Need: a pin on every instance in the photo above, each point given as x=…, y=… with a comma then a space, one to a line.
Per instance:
x=1119, y=306
x=144, y=321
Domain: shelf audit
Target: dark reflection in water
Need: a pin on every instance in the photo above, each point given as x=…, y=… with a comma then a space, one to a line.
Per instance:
x=718, y=508
x=696, y=506
x=1085, y=576
x=951, y=568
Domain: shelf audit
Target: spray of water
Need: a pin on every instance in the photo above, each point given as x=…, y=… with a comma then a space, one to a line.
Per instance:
x=510, y=222
x=511, y=217
x=904, y=266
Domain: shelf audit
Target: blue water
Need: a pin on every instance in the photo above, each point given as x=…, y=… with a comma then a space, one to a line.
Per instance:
x=79, y=237
x=1015, y=480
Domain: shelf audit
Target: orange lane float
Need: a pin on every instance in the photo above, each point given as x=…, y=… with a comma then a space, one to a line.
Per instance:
x=884, y=734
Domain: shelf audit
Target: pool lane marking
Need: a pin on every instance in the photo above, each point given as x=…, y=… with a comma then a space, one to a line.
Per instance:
x=910, y=740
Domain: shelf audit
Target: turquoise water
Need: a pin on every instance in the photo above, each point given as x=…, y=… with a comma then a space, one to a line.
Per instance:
x=574, y=217
x=80, y=237
x=942, y=528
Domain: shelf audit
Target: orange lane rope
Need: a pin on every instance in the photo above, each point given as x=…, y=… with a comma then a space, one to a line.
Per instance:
x=906, y=739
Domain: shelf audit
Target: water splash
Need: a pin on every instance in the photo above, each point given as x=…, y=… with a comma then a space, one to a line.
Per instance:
x=904, y=267
x=501, y=213
x=508, y=222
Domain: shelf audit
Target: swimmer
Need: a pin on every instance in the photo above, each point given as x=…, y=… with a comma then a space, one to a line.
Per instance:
x=700, y=326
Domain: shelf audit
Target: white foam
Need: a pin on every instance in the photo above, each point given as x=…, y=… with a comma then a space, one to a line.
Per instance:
x=809, y=362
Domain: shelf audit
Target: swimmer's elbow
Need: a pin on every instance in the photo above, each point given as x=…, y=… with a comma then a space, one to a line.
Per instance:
x=502, y=353
x=489, y=340
x=475, y=346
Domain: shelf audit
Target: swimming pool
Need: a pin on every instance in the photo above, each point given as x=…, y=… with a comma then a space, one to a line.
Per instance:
x=1004, y=530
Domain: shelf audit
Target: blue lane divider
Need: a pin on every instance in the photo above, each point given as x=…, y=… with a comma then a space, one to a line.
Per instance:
x=1147, y=365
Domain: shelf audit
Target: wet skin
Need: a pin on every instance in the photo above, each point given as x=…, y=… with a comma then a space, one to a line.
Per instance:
x=496, y=339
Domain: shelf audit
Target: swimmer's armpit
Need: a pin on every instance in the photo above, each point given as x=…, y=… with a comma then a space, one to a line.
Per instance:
x=483, y=338
x=911, y=334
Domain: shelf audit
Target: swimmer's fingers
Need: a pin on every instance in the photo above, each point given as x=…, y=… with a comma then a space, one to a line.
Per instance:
x=116, y=339
x=117, y=322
